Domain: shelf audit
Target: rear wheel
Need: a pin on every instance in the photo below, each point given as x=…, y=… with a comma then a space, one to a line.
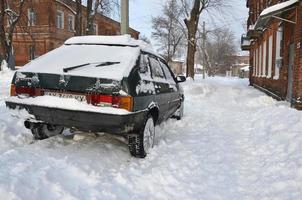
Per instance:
x=179, y=112
x=141, y=144
x=43, y=131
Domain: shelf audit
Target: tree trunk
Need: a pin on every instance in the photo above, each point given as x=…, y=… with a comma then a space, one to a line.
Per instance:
x=192, y=26
x=2, y=31
x=79, y=19
x=90, y=18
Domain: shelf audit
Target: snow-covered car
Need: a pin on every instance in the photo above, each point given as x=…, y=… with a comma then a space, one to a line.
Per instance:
x=107, y=84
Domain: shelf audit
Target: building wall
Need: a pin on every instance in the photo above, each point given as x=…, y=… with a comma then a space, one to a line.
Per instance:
x=278, y=85
x=44, y=36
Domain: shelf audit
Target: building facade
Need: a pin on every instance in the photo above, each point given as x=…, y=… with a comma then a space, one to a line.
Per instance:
x=46, y=24
x=273, y=38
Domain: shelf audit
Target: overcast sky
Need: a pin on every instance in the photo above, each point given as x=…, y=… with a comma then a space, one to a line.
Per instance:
x=141, y=12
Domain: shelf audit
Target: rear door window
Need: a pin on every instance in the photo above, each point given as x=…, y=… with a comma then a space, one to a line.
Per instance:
x=144, y=69
x=157, y=71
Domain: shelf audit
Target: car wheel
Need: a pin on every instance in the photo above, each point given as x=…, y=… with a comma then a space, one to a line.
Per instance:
x=141, y=144
x=179, y=112
x=44, y=131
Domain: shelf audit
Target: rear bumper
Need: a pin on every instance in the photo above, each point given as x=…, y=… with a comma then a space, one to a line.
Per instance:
x=85, y=121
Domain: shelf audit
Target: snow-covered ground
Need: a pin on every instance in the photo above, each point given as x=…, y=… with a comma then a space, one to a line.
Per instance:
x=234, y=142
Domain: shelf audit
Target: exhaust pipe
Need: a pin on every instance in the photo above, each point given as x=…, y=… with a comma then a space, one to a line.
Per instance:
x=27, y=124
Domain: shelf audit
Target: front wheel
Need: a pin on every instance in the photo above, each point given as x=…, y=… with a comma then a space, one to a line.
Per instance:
x=141, y=144
x=44, y=131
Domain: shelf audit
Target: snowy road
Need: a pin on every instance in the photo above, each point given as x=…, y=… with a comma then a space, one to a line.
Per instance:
x=233, y=143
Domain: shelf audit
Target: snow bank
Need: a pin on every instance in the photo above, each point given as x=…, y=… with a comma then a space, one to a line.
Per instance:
x=234, y=142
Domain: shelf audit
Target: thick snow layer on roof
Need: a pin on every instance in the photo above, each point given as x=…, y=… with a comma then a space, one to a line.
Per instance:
x=246, y=68
x=278, y=6
x=73, y=55
x=113, y=40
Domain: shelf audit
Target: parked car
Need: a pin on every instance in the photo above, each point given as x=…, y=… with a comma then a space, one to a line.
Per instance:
x=98, y=84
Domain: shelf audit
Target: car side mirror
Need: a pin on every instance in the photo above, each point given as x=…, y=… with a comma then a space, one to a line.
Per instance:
x=181, y=79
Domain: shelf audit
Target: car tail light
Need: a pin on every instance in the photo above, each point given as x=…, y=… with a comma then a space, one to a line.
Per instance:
x=13, y=90
x=26, y=91
x=124, y=102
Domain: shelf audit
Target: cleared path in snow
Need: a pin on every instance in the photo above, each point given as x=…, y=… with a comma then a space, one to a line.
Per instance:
x=233, y=143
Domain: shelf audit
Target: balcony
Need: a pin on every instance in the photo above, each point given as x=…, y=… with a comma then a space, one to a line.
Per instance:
x=252, y=33
x=245, y=43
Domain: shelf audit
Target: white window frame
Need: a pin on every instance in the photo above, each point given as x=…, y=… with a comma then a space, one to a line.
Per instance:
x=57, y=22
x=73, y=23
x=257, y=64
x=260, y=62
x=96, y=28
x=254, y=62
x=264, y=56
x=270, y=57
x=31, y=21
x=279, y=38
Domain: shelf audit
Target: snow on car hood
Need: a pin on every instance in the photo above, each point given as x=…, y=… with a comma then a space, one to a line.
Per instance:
x=69, y=55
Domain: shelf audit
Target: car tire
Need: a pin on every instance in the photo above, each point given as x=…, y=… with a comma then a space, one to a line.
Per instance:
x=141, y=144
x=179, y=112
x=44, y=131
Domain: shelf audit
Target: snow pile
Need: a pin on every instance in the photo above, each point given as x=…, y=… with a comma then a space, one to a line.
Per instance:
x=3, y=66
x=233, y=143
x=278, y=7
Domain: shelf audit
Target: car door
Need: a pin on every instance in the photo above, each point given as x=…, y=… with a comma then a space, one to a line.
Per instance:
x=162, y=89
x=174, y=97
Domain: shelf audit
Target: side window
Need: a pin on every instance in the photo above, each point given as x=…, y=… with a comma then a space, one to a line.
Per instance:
x=167, y=72
x=144, y=68
x=157, y=71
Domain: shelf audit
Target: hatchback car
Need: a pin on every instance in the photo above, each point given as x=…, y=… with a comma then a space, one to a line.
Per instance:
x=98, y=84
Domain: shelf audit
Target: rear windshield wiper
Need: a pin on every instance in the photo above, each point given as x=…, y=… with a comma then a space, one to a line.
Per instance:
x=107, y=64
x=83, y=65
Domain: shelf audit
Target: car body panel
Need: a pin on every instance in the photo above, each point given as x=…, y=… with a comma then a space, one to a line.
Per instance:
x=147, y=91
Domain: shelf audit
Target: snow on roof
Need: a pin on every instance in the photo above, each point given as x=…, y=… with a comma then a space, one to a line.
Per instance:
x=66, y=56
x=125, y=40
x=198, y=66
x=278, y=6
x=246, y=69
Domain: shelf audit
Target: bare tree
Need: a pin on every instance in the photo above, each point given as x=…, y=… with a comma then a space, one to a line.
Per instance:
x=194, y=8
x=167, y=30
x=79, y=18
x=98, y=6
x=12, y=11
x=221, y=47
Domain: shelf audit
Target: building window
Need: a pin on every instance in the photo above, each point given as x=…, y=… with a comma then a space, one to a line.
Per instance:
x=32, y=17
x=70, y=23
x=60, y=19
x=279, y=44
x=264, y=60
x=95, y=29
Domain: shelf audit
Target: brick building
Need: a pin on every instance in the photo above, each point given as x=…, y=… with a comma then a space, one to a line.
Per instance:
x=46, y=24
x=273, y=38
